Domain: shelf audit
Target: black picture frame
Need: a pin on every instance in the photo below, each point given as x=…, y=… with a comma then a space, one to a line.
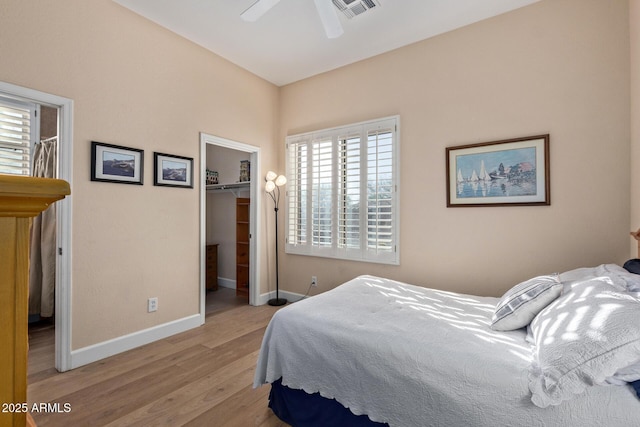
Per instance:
x=116, y=164
x=170, y=170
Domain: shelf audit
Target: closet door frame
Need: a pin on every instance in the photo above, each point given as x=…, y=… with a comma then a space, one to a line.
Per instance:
x=63, y=214
x=254, y=228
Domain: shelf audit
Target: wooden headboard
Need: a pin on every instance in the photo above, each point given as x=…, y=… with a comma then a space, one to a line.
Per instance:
x=636, y=235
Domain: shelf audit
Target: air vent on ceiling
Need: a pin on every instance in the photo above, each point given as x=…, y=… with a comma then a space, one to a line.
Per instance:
x=353, y=8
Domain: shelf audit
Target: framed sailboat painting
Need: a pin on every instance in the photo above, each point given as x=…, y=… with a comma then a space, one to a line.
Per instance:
x=499, y=173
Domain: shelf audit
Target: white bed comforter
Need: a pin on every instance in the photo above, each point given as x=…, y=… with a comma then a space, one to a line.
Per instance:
x=411, y=356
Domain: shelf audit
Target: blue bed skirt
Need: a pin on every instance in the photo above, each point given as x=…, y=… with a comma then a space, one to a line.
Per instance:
x=299, y=409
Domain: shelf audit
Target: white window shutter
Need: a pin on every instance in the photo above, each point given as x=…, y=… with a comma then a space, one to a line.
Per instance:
x=18, y=133
x=321, y=193
x=349, y=192
x=297, y=182
x=380, y=191
x=342, y=198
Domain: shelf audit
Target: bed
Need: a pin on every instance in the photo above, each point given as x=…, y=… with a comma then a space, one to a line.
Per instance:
x=375, y=351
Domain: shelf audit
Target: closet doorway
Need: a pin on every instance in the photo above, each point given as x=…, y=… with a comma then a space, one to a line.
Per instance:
x=42, y=248
x=229, y=223
x=60, y=112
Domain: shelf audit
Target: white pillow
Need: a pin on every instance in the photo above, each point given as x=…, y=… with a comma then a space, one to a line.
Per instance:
x=585, y=273
x=521, y=303
x=581, y=339
x=615, y=275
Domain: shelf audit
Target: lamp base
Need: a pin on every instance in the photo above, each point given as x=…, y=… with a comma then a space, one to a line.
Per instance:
x=277, y=301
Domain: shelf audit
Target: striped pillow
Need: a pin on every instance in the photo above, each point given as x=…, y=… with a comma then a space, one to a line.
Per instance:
x=520, y=304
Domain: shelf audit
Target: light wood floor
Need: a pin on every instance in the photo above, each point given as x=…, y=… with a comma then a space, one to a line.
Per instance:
x=202, y=377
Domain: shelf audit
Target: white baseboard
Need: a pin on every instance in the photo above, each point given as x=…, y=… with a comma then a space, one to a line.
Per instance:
x=108, y=348
x=263, y=298
x=226, y=283
x=290, y=297
x=95, y=352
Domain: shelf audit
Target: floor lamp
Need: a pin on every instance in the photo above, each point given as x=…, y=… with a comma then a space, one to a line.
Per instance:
x=272, y=187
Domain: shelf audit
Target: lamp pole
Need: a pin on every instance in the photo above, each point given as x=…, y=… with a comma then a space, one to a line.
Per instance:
x=277, y=301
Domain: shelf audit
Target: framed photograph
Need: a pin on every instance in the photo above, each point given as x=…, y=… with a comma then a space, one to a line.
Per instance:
x=114, y=163
x=499, y=173
x=172, y=171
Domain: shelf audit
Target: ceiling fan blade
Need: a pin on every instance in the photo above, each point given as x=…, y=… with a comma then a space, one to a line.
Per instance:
x=329, y=17
x=256, y=10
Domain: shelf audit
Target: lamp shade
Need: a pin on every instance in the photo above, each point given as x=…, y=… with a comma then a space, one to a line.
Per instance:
x=269, y=186
x=281, y=180
x=271, y=175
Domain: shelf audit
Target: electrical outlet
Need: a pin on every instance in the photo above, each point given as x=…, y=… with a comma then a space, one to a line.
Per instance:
x=152, y=304
x=314, y=280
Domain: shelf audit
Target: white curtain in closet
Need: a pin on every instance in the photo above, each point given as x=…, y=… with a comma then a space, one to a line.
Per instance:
x=42, y=276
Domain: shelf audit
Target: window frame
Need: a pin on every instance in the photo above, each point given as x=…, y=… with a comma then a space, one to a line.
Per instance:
x=300, y=190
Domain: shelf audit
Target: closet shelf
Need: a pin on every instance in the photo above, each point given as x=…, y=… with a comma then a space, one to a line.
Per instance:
x=234, y=188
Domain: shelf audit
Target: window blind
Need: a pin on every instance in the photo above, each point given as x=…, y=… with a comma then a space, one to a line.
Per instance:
x=16, y=132
x=342, y=192
x=321, y=193
x=380, y=191
x=349, y=164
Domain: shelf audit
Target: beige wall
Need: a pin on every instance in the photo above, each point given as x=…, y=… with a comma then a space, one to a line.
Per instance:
x=634, y=20
x=559, y=67
x=133, y=84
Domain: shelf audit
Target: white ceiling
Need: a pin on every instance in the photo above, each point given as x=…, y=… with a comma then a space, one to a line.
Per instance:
x=288, y=42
